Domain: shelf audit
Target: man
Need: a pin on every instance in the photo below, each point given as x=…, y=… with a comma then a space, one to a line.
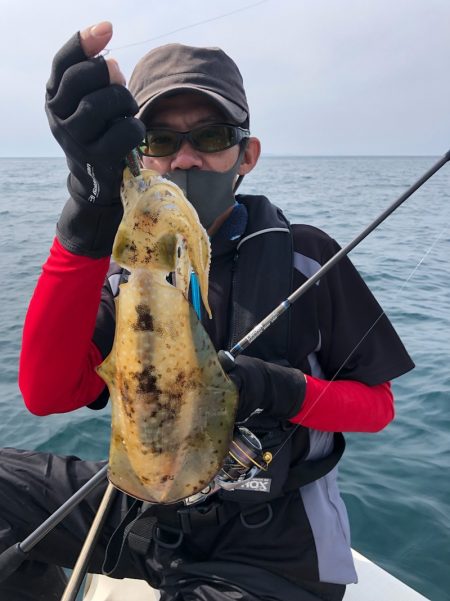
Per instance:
x=322, y=369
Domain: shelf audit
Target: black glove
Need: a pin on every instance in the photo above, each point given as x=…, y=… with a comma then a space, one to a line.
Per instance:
x=275, y=389
x=93, y=122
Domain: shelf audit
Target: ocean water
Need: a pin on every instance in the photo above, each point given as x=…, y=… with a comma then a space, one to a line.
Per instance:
x=396, y=483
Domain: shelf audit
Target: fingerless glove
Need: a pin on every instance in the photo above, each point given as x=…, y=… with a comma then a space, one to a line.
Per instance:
x=266, y=387
x=93, y=122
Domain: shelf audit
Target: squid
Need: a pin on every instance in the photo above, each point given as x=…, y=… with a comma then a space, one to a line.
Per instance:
x=173, y=406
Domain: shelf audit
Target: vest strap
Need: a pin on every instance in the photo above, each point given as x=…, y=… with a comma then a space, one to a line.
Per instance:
x=117, y=547
x=142, y=531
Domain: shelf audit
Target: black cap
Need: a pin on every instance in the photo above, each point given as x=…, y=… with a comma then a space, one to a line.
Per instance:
x=175, y=68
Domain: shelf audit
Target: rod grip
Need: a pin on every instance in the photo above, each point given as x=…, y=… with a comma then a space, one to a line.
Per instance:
x=10, y=560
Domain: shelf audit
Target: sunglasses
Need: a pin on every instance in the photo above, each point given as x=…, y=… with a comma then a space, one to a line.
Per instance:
x=161, y=142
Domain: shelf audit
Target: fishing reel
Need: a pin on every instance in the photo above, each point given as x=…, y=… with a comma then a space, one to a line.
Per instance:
x=244, y=460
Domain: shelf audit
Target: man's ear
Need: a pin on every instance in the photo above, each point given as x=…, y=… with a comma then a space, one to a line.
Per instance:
x=251, y=156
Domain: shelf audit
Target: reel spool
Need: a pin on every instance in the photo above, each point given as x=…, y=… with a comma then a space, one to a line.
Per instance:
x=244, y=460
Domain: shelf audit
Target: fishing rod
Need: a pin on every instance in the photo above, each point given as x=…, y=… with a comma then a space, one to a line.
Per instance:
x=13, y=557
x=82, y=564
x=227, y=357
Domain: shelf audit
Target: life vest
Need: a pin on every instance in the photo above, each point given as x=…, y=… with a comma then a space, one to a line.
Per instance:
x=262, y=278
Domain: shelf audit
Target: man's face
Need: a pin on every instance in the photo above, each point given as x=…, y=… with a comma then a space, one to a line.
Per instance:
x=185, y=112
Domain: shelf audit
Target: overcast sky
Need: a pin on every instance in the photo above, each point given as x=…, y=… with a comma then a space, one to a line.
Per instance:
x=323, y=77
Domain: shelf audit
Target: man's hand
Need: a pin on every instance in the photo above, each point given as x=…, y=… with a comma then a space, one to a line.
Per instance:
x=91, y=115
x=265, y=387
x=95, y=39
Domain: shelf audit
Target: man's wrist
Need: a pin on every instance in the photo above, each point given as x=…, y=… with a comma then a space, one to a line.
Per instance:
x=276, y=389
x=88, y=229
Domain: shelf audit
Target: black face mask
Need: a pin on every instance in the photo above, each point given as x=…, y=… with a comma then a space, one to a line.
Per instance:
x=211, y=193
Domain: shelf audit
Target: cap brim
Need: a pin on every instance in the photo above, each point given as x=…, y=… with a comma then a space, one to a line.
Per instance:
x=231, y=110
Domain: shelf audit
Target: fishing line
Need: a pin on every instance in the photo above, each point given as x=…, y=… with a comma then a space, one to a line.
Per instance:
x=163, y=35
x=405, y=283
x=227, y=357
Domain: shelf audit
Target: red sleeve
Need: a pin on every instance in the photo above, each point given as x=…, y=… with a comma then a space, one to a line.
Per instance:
x=58, y=357
x=345, y=406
